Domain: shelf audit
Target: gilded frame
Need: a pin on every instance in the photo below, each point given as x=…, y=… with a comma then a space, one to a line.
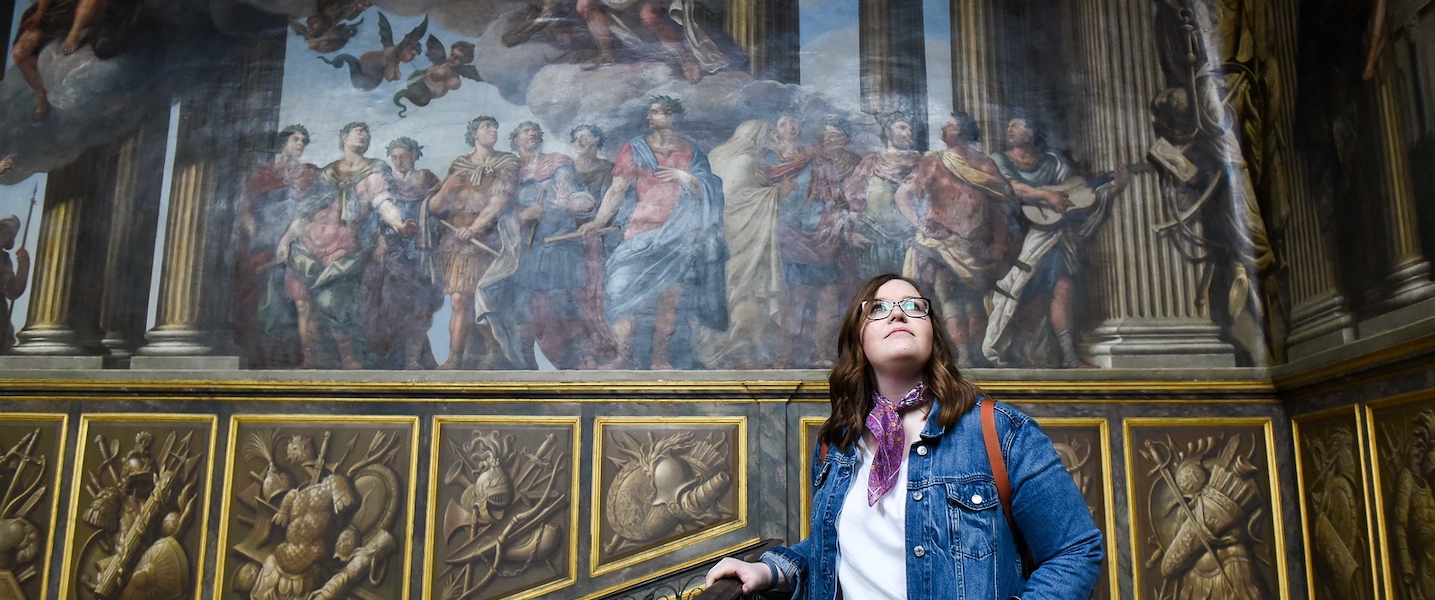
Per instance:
x=576, y=451
x=1108, y=487
x=805, y=460
x=64, y=430
x=596, y=566
x=1365, y=474
x=1277, y=521
x=281, y=419
x=1387, y=570
x=212, y=421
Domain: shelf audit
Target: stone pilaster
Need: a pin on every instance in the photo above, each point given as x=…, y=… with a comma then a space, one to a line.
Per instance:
x=1144, y=293
x=976, y=87
x=134, y=218
x=894, y=61
x=63, y=320
x=1407, y=277
x=216, y=132
x=767, y=31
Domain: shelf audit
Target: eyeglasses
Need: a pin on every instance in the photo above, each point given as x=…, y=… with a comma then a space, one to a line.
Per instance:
x=916, y=308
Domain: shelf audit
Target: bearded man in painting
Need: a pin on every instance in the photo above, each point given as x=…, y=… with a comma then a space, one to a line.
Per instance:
x=879, y=234
x=672, y=262
x=328, y=247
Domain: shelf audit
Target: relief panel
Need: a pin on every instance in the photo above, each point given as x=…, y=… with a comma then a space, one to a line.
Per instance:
x=503, y=519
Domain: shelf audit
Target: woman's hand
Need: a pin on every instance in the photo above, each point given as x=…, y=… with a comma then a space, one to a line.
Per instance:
x=755, y=577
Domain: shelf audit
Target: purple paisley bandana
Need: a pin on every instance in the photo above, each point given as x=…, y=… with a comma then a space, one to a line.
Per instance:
x=885, y=423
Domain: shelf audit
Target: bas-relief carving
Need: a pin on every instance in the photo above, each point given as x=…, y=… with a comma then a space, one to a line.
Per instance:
x=663, y=483
x=317, y=510
x=33, y=448
x=139, y=510
x=1202, y=510
x=1083, y=451
x=1337, y=530
x=503, y=521
x=1404, y=442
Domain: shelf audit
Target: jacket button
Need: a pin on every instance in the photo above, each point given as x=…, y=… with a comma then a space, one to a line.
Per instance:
x=917, y=496
x=976, y=498
x=921, y=450
x=919, y=551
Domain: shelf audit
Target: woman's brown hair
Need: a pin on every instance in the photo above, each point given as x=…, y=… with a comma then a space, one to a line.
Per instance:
x=853, y=382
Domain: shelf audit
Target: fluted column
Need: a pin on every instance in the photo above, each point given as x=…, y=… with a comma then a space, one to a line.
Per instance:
x=894, y=61
x=1145, y=295
x=1407, y=277
x=1320, y=315
x=767, y=31
x=976, y=87
x=192, y=328
x=63, y=319
x=134, y=218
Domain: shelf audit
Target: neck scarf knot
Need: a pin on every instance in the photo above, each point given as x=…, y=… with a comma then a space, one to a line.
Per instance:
x=885, y=423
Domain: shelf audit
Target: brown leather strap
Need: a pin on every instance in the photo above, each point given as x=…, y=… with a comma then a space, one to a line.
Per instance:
x=1003, y=481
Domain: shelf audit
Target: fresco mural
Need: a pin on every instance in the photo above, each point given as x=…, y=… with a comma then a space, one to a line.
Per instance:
x=677, y=184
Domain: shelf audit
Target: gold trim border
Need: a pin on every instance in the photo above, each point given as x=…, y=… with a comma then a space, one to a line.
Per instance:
x=596, y=567
x=1107, y=481
x=804, y=501
x=64, y=422
x=575, y=457
x=224, y=515
x=1277, y=520
x=75, y=482
x=1355, y=413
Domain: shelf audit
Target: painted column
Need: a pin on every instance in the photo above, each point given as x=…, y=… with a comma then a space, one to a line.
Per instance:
x=63, y=319
x=1407, y=277
x=192, y=316
x=1320, y=316
x=129, y=255
x=767, y=31
x=1144, y=294
x=976, y=88
x=894, y=61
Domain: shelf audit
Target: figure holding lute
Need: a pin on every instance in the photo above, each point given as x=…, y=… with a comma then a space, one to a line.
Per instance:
x=1062, y=208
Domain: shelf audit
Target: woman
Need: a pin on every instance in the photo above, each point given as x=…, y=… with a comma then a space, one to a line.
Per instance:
x=902, y=413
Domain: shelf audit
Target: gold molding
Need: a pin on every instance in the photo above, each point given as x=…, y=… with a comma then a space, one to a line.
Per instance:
x=212, y=421
x=64, y=430
x=575, y=456
x=1355, y=413
x=1109, y=489
x=763, y=386
x=673, y=569
x=1347, y=366
x=805, y=486
x=280, y=419
x=1277, y=520
x=596, y=567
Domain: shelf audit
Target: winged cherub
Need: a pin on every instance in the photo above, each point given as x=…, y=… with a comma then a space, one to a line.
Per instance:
x=377, y=66
x=444, y=75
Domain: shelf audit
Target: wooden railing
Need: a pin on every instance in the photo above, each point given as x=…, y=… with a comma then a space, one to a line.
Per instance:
x=688, y=583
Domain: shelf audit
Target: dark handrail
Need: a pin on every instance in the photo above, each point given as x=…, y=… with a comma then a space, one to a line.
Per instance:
x=731, y=589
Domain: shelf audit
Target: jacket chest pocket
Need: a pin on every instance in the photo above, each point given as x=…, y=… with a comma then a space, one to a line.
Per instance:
x=974, y=513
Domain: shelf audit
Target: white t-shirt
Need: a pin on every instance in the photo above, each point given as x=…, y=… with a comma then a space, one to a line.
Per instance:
x=872, y=540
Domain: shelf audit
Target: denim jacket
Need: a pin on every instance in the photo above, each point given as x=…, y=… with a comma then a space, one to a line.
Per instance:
x=958, y=543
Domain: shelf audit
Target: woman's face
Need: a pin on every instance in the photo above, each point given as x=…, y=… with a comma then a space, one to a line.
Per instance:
x=898, y=341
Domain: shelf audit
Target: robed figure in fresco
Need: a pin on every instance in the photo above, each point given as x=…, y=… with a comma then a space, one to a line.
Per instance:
x=1045, y=276
x=266, y=324
x=671, y=264
x=479, y=249
x=408, y=293
x=879, y=234
x=13, y=278
x=328, y=247
x=552, y=197
x=960, y=204
x=754, y=270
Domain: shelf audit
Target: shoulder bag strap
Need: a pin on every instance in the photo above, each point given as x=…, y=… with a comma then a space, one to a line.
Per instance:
x=1003, y=481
